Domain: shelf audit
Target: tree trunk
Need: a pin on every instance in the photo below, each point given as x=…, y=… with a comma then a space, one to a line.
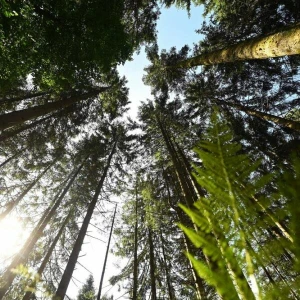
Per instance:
x=20, y=116
x=177, y=165
x=11, y=158
x=152, y=265
x=179, y=169
x=21, y=98
x=14, y=203
x=166, y=266
x=65, y=280
x=106, y=254
x=8, y=134
x=8, y=276
x=265, y=116
x=48, y=255
x=234, y=270
x=135, y=256
x=285, y=42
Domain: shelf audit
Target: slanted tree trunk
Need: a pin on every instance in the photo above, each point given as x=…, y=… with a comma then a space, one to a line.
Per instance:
x=265, y=116
x=8, y=134
x=67, y=275
x=11, y=133
x=22, y=258
x=48, y=255
x=20, y=116
x=106, y=254
x=24, y=97
x=13, y=204
x=11, y=158
x=285, y=42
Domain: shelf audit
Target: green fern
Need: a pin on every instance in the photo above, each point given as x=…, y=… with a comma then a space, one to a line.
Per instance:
x=240, y=217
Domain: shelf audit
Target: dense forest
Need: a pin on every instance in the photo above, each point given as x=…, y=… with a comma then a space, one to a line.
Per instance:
x=206, y=178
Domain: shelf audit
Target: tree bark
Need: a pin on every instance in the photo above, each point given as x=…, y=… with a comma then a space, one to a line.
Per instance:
x=177, y=165
x=21, y=258
x=14, y=203
x=65, y=280
x=135, y=256
x=48, y=255
x=20, y=116
x=106, y=254
x=285, y=42
x=264, y=116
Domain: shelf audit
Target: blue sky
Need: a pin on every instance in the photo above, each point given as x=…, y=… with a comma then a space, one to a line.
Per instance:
x=175, y=28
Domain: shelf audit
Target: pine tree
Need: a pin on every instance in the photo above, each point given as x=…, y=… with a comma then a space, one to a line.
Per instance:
x=87, y=292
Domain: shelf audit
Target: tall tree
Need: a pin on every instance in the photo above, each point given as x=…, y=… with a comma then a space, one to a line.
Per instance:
x=8, y=276
x=106, y=254
x=87, y=292
x=63, y=285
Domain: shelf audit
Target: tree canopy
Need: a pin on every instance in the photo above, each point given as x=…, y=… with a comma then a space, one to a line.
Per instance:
x=206, y=177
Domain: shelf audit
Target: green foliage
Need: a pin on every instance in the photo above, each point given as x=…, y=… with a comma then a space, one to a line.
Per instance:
x=87, y=292
x=236, y=212
x=36, y=284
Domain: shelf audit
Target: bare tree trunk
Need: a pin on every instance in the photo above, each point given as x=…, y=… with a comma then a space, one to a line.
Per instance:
x=166, y=266
x=8, y=134
x=21, y=98
x=11, y=158
x=8, y=277
x=285, y=42
x=14, y=203
x=152, y=265
x=188, y=196
x=177, y=165
x=20, y=116
x=65, y=280
x=106, y=254
x=135, y=256
x=265, y=116
x=48, y=255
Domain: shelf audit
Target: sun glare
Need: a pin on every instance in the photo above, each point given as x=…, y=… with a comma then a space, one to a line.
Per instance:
x=11, y=235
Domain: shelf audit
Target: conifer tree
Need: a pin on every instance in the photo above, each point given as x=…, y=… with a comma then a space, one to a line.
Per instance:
x=87, y=292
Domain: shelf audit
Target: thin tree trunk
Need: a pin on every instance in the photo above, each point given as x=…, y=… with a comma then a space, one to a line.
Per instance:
x=168, y=277
x=21, y=258
x=106, y=255
x=14, y=203
x=48, y=255
x=152, y=265
x=20, y=116
x=199, y=191
x=11, y=158
x=135, y=256
x=65, y=280
x=285, y=42
x=178, y=168
x=8, y=134
x=21, y=98
x=200, y=293
x=265, y=116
